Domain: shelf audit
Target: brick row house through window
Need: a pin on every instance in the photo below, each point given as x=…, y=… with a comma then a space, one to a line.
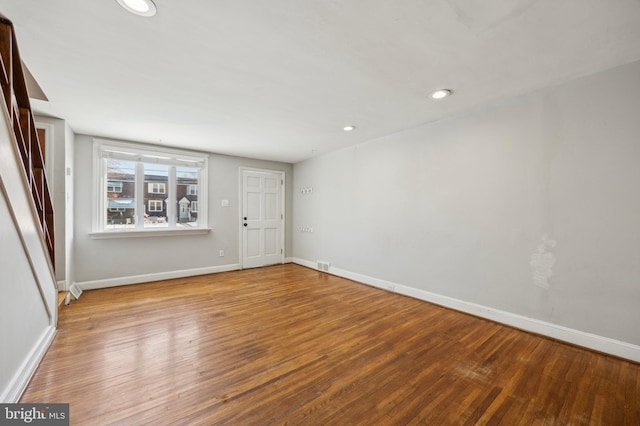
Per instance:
x=121, y=197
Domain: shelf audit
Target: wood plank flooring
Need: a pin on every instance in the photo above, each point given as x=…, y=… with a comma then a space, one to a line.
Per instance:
x=290, y=345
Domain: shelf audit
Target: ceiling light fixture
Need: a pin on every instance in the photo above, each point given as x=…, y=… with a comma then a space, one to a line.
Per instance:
x=441, y=94
x=349, y=128
x=139, y=7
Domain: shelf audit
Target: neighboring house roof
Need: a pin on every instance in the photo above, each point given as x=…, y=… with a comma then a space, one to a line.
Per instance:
x=121, y=177
x=129, y=203
x=163, y=179
x=155, y=178
x=186, y=181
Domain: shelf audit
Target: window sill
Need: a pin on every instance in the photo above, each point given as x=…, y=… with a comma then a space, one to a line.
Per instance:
x=101, y=235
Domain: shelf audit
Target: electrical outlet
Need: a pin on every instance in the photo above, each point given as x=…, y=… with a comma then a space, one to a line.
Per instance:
x=221, y=253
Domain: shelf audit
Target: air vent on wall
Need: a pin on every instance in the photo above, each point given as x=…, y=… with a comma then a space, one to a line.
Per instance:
x=323, y=266
x=75, y=291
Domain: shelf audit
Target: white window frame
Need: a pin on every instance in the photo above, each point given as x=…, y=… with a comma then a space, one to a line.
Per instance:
x=192, y=189
x=114, y=188
x=155, y=209
x=142, y=153
x=157, y=188
x=191, y=209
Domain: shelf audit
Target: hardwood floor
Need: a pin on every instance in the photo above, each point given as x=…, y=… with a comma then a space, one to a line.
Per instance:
x=290, y=345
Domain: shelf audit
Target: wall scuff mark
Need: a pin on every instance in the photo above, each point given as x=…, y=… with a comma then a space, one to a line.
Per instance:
x=542, y=262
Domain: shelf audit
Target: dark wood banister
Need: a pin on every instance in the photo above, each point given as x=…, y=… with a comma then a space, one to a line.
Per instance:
x=16, y=98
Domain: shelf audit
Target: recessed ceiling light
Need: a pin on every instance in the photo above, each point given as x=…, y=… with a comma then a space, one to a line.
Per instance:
x=139, y=7
x=441, y=94
x=349, y=128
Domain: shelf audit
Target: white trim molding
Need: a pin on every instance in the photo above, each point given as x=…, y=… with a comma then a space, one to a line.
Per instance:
x=576, y=337
x=21, y=378
x=141, y=155
x=145, y=278
x=172, y=232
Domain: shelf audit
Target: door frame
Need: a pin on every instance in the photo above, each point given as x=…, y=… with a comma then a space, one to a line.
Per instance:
x=49, y=151
x=282, y=174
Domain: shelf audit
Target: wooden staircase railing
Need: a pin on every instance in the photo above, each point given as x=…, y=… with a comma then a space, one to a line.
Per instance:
x=16, y=98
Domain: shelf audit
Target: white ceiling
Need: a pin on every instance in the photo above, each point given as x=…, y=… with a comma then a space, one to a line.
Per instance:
x=279, y=79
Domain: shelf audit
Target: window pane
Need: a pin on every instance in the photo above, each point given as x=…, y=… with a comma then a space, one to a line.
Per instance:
x=187, y=194
x=156, y=181
x=120, y=195
x=149, y=189
x=114, y=186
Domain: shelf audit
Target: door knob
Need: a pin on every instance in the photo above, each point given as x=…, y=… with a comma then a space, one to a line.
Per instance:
x=245, y=218
x=245, y=224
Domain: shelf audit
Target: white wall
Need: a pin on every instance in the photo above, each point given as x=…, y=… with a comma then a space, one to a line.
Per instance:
x=28, y=302
x=458, y=208
x=23, y=316
x=100, y=262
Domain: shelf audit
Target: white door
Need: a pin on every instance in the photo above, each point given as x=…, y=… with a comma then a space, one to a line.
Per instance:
x=184, y=210
x=262, y=219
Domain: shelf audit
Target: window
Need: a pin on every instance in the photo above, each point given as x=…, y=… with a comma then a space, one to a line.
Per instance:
x=155, y=205
x=113, y=186
x=156, y=188
x=146, y=188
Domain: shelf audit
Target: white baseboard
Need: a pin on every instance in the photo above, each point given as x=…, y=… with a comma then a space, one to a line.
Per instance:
x=307, y=263
x=62, y=285
x=580, y=338
x=20, y=380
x=288, y=260
x=137, y=279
